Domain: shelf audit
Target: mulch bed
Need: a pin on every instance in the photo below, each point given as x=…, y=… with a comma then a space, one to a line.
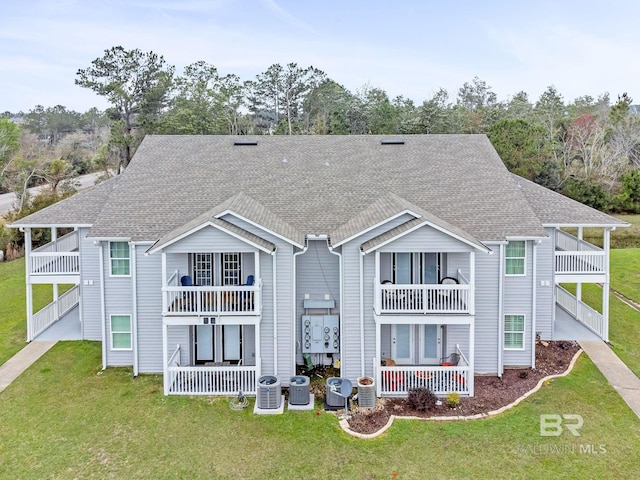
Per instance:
x=491, y=392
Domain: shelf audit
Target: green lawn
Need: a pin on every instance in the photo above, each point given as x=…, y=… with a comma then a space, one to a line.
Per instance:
x=13, y=331
x=65, y=418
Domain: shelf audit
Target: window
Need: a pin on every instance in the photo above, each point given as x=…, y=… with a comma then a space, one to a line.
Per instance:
x=514, y=332
x=515, y=256
x=120, y=332
x=119, y=255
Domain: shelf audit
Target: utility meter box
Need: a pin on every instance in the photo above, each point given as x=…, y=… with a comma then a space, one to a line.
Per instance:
x=320, y=333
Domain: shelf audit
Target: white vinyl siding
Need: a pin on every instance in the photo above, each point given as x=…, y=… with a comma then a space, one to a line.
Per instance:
x=121, y=332
x=119, y=257
x=514, y=327
x=515, y=255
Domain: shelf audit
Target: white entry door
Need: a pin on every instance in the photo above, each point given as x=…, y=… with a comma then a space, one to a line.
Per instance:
x=232, y=343
x=430, y=344
x=402, y=344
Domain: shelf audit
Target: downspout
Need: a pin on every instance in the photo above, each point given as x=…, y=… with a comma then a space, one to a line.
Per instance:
x=534, y=308
x=134, y=313
x=362, y=373
x=275, y=314
x=501, y=311
x=294, y=297
x=102, y=309
x=339, y=255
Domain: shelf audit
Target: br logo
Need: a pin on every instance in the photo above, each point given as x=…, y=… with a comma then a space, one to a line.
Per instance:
x=551, y=424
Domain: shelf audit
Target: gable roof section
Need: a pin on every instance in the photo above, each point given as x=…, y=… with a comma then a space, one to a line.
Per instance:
x=246, y=208
x=327, y=185
x=425, y=219
x=81, y=209
x=384, y=209
x=554, y=209
x=209, y=219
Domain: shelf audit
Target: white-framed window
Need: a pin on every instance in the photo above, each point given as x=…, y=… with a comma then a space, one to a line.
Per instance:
x=121, y=332
x=119, y=257
x=515, y=256
x=514, y=332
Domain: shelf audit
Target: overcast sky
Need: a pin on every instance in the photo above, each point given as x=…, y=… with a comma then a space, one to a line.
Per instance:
x=409, y=48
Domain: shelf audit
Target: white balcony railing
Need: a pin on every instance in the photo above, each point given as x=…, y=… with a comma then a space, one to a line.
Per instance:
x=577, y=257
x=398, y=380
x=427, y=298
x=44, y=318
x=211, y=380
x=66, y=243
x=585, y=262
x=226, y=300
x=55, y=263
x=580, y=311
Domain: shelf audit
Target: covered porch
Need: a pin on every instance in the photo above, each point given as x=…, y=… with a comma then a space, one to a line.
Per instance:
x=433, y=352
x=213, y=356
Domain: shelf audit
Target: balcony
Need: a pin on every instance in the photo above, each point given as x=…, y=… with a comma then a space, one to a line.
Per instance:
x=423, y=299
x=208, y=380
x=211, y=300
x=57, y=261
x=577, y=260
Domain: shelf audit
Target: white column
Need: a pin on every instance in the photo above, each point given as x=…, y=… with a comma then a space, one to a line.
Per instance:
x=605, y=286
x=376, y=370
x=472, y=355
x=27, y=256
x=472, y=283
x=165, y=359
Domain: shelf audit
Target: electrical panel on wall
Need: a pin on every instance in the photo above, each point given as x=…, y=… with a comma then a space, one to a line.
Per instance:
x=320, y=334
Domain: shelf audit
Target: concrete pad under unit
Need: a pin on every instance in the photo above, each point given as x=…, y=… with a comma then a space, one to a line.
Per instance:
x=269, y=411
x=309, y=406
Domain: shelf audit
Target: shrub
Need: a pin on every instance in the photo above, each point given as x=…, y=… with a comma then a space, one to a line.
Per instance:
x=453, y=399
x=422, y=399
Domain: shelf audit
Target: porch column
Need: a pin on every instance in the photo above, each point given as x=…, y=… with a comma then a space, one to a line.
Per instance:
x=376, y=361
x=257, y=349
x=165, y=358
x=165, y=307
x=27, y=256
x=56, y=310
x=579, y=285
x=377, y=293
x=605, y=286
x=472, y=282
x=472, y=354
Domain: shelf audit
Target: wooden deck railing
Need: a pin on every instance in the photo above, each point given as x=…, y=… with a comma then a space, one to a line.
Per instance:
x=212, y=380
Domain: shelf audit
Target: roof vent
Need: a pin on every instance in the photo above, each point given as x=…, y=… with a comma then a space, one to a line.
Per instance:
x=239, y=143
x=392, y=141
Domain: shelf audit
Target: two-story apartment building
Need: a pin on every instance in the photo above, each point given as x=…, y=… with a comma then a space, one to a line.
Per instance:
x=417, y=260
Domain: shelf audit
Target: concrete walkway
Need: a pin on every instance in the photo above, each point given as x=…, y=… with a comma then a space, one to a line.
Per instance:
x=621, y=378
x=12, y=368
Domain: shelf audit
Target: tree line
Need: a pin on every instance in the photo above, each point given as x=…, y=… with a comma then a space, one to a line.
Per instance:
x=588, y=149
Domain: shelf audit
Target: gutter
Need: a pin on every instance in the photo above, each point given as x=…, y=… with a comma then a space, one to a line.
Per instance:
x=501, y=311
x=339, y=255
x=134, y=306
x=275, y=314
x=534, y=310
x=362, y=372
x=102, y=309
x=295, y=295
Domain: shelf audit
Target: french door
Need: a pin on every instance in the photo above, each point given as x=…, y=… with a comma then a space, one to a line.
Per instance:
x=416, y=344
x=416, y=268
x=218, y=343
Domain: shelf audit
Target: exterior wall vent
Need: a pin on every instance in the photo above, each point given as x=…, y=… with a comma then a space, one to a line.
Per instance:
x=392, y=141
x=240, y=143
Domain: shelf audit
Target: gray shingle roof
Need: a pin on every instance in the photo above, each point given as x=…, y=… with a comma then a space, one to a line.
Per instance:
x=80, y=209
x=553, y=208
x=321, y=185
